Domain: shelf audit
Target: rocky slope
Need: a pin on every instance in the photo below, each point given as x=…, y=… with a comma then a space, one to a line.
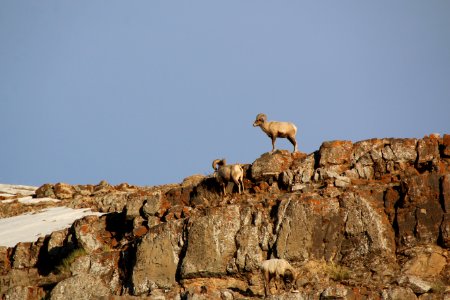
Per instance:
x=365, y=220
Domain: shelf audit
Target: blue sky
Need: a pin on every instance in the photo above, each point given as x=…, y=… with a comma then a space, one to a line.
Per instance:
x=149, y=92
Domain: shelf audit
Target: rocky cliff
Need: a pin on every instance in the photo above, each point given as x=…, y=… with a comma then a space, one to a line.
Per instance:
x=365, y=220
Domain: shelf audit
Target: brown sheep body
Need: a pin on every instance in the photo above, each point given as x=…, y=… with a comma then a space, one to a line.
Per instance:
x=275, y=129
x=228, y=173
x=278, y=268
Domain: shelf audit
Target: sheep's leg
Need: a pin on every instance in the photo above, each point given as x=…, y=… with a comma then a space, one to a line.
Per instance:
x=266, y=282
x=294, y=142
x=236, y=181
x=224, y=188
x=273, y=144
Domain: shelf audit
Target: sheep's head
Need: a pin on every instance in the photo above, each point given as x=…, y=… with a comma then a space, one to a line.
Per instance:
x=260, y=119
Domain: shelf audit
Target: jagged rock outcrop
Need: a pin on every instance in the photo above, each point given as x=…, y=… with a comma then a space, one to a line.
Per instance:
x=365, y=220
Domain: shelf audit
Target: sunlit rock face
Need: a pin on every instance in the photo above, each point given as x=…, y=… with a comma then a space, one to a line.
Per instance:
x=356, y=220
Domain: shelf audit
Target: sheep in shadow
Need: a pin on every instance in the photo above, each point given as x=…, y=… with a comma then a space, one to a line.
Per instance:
x=281, y=269
x=228, y=173
x=275, y=129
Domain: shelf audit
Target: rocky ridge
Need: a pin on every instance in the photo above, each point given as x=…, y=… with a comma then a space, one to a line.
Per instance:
x=365, y=220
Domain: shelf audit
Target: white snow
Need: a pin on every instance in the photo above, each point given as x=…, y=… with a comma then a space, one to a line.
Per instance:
x=29, y=227
x=12, y=190
x=30, y=200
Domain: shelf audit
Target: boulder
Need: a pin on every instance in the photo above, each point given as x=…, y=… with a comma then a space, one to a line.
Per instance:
x=270, y=165
x=308, y=228
x=420, y=213
x=5, y=263
x=45, y=191
x=303, y=169
x=335, y=155
x=416, y=284
x=211, y=243
x=396, y=293
x=25, y=254
x=81, y=286
x=89, y=233
x=424, y=261
x=63, y=191
x=104, y=266
x=157, y=258
x=446, y=145
x=25, y=292
x=427, y=150
x=369, y=237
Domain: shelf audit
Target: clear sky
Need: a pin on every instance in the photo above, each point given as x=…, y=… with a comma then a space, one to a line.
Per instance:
x=149, y=92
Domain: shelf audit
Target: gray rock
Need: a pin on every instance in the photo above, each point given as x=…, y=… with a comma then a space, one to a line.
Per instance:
x=157, y=258
x=416, y=284
x=211, y=243
x=82, y=287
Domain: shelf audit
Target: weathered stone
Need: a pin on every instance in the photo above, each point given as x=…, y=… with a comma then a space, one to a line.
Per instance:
x=446, y=145
x=336, y=155
x=5, y=263
x=18, y=277
x=417, y=285
x=428, y=150
x=63, y=191
x=303, y=168
x=26, y=254
x=419, y=214
x=445, y=185
x=365, y=172
x=424, y=261
x=55, y=243
x=396, y=293
x=102, y=265
x=157, y=258
x=155, y=206
x=102, y=187
x=286, y=179
x=271, y=165
x=88, y=233
x=342, y=181
x=404, y=149
x=369, y=238
x=367, y=158
x=111, y=202
x=445, y=230
x=82, y=286
x=193, y=180
x=249, y=238
x=24, y=292
x=391, y=197
x=337, y=292
x=217, y=230
x=308, y=228
x=366, y=152
x=134, y=205
x=45, y=191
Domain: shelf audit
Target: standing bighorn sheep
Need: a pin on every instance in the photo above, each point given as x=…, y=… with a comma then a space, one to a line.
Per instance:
x=227, y=173
x=278, y=268
x=277, y=129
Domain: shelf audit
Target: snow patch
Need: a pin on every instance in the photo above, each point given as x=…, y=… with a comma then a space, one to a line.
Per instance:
x=29, y=227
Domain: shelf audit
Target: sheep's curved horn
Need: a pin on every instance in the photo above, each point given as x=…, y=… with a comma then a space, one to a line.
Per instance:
x=214, y=163
x=261, y=117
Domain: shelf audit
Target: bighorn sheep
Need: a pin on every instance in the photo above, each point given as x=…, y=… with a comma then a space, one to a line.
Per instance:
x=277, y=129
x=278, y=268
x=227, y=173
